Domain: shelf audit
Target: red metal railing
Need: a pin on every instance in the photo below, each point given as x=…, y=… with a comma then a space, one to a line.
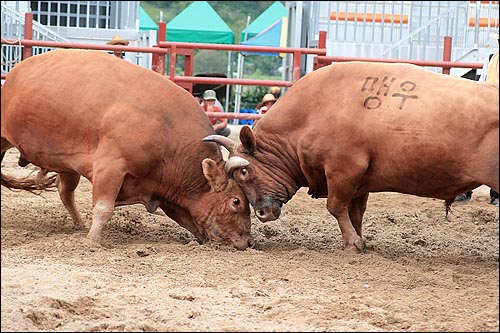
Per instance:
x=176, y=48
x=187, y=49
x=446, y=64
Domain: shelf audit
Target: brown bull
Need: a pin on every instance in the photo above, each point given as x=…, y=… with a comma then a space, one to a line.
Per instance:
x=349, y=129
x=135, y=135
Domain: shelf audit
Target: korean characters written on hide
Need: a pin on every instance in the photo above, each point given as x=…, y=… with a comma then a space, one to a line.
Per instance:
x=387, y=87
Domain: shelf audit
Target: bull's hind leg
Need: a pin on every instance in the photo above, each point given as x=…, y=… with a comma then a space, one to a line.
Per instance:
x=357, y=209
x=66, y=184
x=6, y=145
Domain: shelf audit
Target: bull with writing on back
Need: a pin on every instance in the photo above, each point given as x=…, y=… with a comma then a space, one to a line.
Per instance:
x=349, y=129
x=135, y=135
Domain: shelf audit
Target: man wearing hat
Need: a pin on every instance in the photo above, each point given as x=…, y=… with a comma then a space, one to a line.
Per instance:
x=267, y=101
x=117, y=40
x=219, y=124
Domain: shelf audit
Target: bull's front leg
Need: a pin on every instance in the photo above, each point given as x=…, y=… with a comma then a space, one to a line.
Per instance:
x=343, y=205
x=107, y=181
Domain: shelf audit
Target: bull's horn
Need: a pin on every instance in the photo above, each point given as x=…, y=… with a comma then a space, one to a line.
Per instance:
x=229, y=144
x=235, y=162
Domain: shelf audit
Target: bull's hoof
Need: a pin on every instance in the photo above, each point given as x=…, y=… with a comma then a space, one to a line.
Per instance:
x=79, y=227
x=358, y=246
x=97, y=242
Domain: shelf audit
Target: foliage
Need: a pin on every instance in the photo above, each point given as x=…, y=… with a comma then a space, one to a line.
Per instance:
x=253, y=96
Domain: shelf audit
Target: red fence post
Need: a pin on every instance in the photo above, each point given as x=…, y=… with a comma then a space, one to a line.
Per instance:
x=297, y=64
x=447, y=53
x=322, y=40
x=158, y=64
x=28, y=33
x=173, y=62
x=321, y=45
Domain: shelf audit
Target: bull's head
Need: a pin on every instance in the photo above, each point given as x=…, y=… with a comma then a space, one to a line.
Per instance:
x=252, y=175
x=228, y=219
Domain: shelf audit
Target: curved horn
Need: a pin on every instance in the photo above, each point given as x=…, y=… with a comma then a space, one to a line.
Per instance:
x=229, y=144
x=235, y=162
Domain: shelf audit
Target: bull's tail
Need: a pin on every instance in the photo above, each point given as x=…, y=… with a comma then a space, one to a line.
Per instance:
x=33, y=184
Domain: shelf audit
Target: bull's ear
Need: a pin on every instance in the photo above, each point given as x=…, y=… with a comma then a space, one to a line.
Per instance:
x=216, y=177
x=247, y=139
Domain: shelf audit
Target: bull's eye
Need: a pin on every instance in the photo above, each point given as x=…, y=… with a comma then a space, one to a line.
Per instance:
x=236, y=201
x=244, y=171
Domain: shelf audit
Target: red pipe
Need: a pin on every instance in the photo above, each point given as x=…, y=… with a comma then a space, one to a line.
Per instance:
x=231, y=115
x=430, y=63
x=243, y=48
x=47, y=43
x=218, y=80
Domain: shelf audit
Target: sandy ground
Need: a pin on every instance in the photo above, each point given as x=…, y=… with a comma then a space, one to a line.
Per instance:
x=421, y=272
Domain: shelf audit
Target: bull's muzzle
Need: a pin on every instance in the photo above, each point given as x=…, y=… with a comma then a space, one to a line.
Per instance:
x=244, y=242
x=268, y=211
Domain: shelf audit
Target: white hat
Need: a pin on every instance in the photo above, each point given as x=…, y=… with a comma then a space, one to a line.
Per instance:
x=209, y=95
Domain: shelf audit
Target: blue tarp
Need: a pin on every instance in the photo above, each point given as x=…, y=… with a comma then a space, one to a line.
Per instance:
x=269, y=37
x=273, y=13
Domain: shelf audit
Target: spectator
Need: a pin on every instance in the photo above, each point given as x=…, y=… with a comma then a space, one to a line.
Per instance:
x=489, y=74
x=117, y=40
x=267, y=101
x=219, y=124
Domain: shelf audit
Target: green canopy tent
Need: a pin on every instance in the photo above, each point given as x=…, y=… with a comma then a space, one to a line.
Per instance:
x=268, y=17
x=146, y=22
x=199, y=23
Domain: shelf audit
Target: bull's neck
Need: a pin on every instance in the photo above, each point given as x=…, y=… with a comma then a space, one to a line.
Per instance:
x=281, y=157
x=182, y=185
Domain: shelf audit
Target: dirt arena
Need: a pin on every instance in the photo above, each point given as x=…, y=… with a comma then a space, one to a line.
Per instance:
x=421, y=272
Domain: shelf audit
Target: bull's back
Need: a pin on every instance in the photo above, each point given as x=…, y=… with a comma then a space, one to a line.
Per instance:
x=63, y=103
x=402, y=117
x=384, y=95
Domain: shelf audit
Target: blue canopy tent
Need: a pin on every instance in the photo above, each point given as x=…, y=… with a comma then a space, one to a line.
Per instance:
x=274, y=35
x=268, y=29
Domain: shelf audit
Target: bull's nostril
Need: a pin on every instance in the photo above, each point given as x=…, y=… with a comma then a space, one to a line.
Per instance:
x=250, y=243
x=260, y=213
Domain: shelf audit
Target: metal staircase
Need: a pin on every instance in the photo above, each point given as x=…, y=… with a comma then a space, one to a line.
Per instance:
x=13, y=29
x=399, y=29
